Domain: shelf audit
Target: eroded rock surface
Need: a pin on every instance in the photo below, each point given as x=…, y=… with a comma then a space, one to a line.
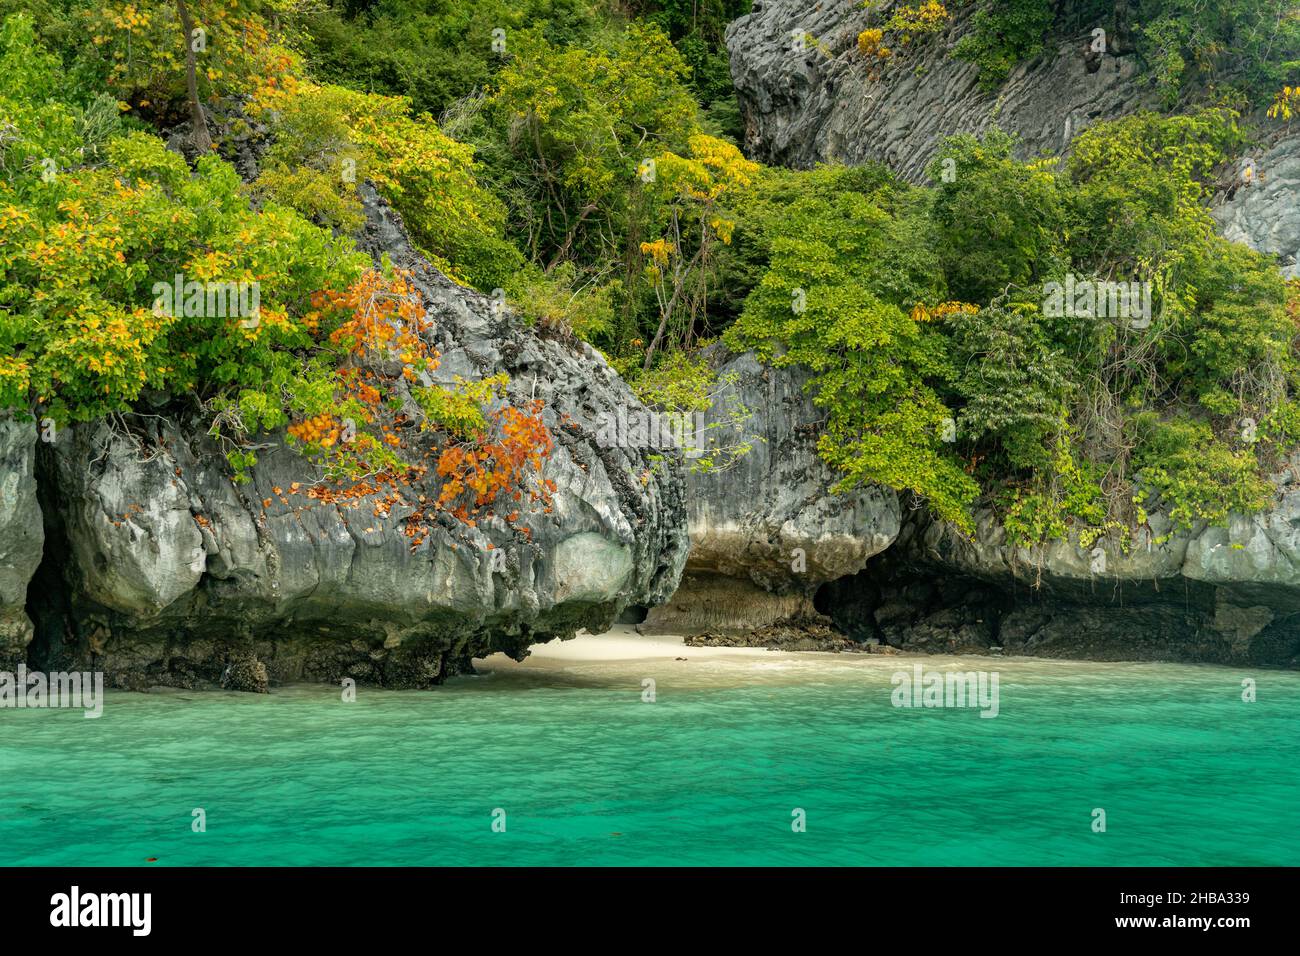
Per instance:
x=176, y=574
x=828, y=103
x=1227, y=595
x=1264, y=211
x=766, y=532
x=21, y=536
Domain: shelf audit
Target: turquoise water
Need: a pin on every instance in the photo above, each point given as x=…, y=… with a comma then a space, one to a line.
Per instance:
x=707, y=774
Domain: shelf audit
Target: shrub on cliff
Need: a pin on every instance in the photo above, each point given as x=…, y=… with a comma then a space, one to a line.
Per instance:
x=1249, y=48
x=118, y=285
x=82, y=258
x=434, y=53
x=1003, y=33
x=329, y=138
x=836, y=299
x=998, y=222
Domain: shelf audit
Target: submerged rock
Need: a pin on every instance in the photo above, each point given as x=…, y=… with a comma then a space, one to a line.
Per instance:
x=175, y=574
x=798, y=635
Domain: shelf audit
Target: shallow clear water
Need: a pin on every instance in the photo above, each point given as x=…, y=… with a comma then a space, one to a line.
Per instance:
x=709, y=773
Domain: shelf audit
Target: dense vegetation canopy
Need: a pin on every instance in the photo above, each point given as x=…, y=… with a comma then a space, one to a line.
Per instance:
x=1068, y=341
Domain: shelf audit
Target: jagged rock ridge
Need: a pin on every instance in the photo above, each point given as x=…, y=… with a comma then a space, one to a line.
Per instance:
x=825, y=102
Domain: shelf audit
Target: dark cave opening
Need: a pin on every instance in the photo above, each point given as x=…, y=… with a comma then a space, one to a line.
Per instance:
x=633, y=614
x=921, y=607
x=48, y=604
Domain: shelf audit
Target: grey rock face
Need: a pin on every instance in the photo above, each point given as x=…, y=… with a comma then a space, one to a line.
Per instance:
x=1252, y=557
x=766, y=532
x=1264, y=213
x=1216, y=594
x=824, y=103
x=179, y=575
x=21, y=536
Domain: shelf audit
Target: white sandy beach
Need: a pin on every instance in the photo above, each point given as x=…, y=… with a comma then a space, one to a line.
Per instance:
x=621, y=654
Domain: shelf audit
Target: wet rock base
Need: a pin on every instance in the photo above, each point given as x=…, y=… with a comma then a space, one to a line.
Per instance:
x=929, y=609
x=895, y=605
x=793, y=635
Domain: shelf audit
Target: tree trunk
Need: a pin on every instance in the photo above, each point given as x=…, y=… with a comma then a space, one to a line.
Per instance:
x=202, y=138
x=1122, y=34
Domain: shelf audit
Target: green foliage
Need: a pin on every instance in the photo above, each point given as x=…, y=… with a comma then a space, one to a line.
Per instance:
x=313, y=165
x=1194, y=476
x=565, y=302
x=687, y=194
x=429, y=177
x=696, y=28
x=685, y=387
x=578, y=122
x=758, y=213
x=1042, y=403
x=1240, y=344
x=999, y=222
x=40, y=128
x=913, y=310
x=1141, y=182
x=459, y=410
x=1137, y=207
x=1015, y=383
x=909, y=23
x=84, y=253
x=143, y=50
x=1003, y=33
x=432, y=51
x=1250, y=45
x=1066, y=498
x=1280, y=427
x=680, y=382
x=833, y=301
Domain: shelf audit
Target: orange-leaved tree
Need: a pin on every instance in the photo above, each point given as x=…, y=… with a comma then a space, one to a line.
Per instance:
x=386, y=421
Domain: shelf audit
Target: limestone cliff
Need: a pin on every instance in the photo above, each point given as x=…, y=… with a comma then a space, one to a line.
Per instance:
x=767, y=532
x=1230, y=594
x=21, y=536
x=159, y=568
x=814, y=99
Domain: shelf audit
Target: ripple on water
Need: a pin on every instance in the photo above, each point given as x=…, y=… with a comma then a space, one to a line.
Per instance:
x=710, y=773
